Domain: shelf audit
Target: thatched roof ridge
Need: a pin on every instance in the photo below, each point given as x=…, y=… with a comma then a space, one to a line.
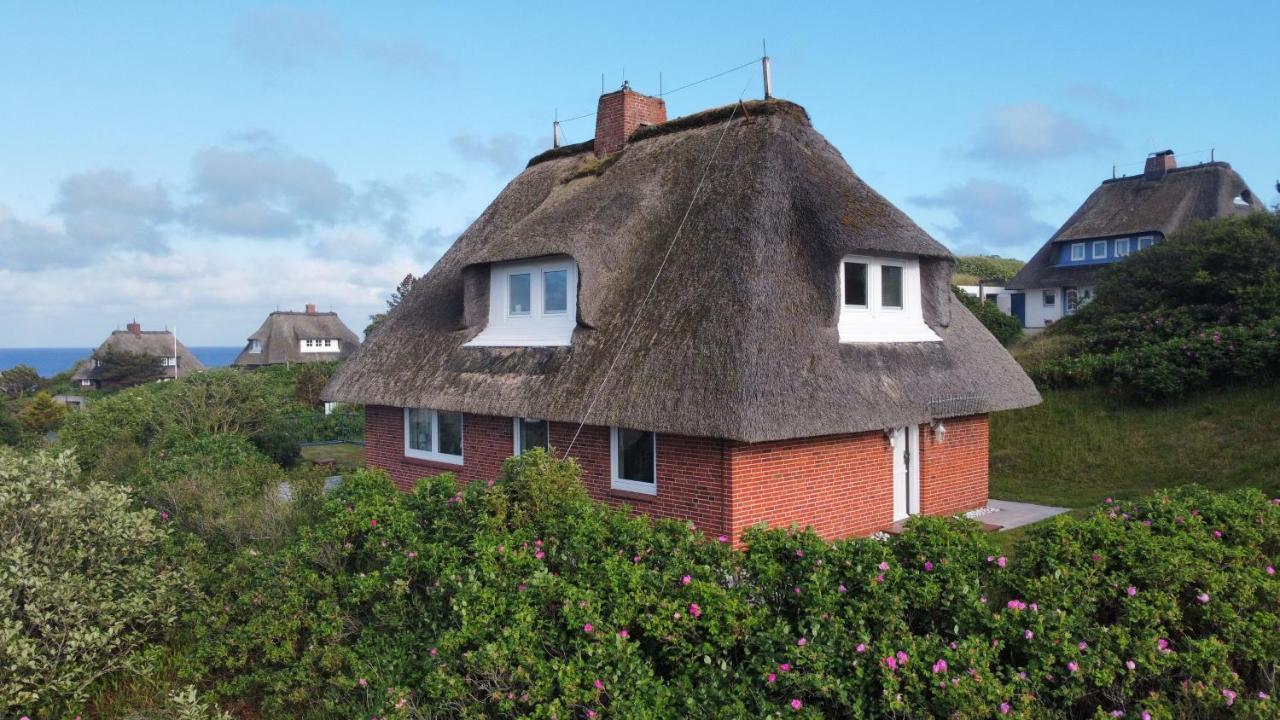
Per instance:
x=280, y=335
x=740, y=340
x=1133, y=206
x=158, y=343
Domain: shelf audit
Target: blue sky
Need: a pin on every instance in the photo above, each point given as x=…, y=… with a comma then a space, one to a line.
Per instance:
x=199, y=165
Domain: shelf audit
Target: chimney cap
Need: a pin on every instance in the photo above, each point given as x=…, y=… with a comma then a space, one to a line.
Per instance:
x=1160, y=153
x=311, y=308
x=134, y=327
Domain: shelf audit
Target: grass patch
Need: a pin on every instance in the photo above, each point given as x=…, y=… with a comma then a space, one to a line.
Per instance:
x=1081, y=446
x=349, y=456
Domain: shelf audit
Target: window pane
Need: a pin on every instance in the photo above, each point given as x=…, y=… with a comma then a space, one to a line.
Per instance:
x=855, y=284
x=891, y=286
x=420, y=429
x=518, y=295
x=533, y=434
x=555, y=291
x=450, y=433
x=635, y=450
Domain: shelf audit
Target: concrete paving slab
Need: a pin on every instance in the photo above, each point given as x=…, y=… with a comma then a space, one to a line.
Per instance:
x=1009, y=514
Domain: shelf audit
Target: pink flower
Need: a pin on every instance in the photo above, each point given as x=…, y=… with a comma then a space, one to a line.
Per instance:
x=1083, y=646
x=1203, y=597
x=599, y=685
x=802, y=642
x=902, y=658
x=991, y=558
x=1073, y=666
x=1271, y=570
x=784, y=667
x=940, y=666
x=1131, y=665
x=686, y=580
x=591, y=713
x=861, y=648
x=1146, y=715
x=928, y=566
x=1163, y=645
x=879, y=578
x=723, y=538
x=796, y=589
x=695, y=611
x=1004, y=708
x=539, y=554
x=624, y=634
x=1016, y=604
x=363, y=683
x=772, y=677
x=588, y=628
x=1217, y=534
x=411, y=554
x=1002, y=561
x=1028, y=634
x=1131, y=590
x=373, y=522
x=799, y=552
x=891, y=662
x=884, y=566
x=1230, y=695
x=675, y=616
x=842, y=589
x=164, y=515
x=434, y=652
x=796, y=704
x=1108, y=501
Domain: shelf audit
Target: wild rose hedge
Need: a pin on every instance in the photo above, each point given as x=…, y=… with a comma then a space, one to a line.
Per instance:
x=525, y=599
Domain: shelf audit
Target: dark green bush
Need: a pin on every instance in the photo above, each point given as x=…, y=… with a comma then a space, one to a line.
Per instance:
x=1201, y=309
x=525, y=599
x=1005, y=328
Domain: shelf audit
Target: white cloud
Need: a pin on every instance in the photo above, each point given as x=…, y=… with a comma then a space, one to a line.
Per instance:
x=990, y=216
x=1031, y=132
x=281, y=39
x=506, y=152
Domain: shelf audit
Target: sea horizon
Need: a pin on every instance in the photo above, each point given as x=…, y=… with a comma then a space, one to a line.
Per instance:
x=49, y=361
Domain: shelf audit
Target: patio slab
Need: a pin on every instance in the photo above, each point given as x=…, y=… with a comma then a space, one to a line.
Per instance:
x=1008, y=514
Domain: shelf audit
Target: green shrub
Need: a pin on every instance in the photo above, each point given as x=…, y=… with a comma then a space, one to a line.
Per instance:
x=85, y=584
x=523, y=598
x=1004, y=327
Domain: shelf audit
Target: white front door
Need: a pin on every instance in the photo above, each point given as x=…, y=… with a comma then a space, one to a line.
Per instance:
x=905, y=445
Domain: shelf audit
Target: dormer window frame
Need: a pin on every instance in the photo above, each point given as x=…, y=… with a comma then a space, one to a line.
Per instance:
x=546, y=323
x=876, y=320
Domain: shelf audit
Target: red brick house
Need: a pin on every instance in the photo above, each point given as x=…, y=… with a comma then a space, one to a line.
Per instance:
x=714, y=316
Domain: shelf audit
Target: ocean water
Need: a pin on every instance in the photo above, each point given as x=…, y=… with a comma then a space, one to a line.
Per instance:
x=51, y=361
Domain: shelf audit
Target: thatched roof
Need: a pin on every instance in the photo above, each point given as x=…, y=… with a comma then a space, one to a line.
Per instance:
x=144, y=342
x=282, y=332
x=740, y=339
x=1134, y=206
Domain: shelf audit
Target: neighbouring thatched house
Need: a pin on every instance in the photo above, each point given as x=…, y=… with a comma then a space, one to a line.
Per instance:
x=1123, y=216
x=298, y=337
x=174, y=358
x=714, y=315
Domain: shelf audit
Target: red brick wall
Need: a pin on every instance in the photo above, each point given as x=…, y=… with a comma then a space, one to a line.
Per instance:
x=619, y=113
x=690, y=470
x=953, y=474
x=841, y=485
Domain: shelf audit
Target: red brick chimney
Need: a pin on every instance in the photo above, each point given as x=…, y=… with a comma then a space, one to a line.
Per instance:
x=311, y=308
x=1159, y=163
x=134, y=328
x=620, y=113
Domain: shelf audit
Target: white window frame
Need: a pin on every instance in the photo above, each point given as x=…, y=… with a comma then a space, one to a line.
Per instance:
x=1099, y=255
x=433, y=454
x=1148, y=239
x=255, y=347
x=537, y=328
x=515, y=432
x=634, y=486
x=1049, y=298
x=1077, y=256
x=874, y=322
x=1122, y=247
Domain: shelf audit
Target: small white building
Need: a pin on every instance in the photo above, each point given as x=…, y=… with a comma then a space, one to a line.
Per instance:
x=1123, y=216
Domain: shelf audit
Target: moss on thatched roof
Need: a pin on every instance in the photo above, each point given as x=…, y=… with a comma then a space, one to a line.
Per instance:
x=740, y=338
x=1134, y=206
x=282, y=332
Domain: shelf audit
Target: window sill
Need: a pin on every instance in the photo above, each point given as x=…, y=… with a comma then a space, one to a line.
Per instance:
x=632, y=496
x=434, y=462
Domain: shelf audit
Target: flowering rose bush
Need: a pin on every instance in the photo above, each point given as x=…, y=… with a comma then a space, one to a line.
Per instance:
x=525, y=599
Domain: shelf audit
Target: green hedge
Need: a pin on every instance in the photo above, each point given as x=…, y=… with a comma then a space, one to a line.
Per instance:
x=525, y=599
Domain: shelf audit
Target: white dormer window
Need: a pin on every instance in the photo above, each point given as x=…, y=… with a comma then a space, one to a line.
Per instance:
x=1122, y=247
x=255, y=346
x=880, y=301
x=315, y=345
x=531, y=304
x=1077, y=252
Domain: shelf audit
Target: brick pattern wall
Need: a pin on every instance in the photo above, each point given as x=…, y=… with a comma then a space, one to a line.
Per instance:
x=841, y=485
x=690, y=470
x=953, y=473
x=619, y=113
